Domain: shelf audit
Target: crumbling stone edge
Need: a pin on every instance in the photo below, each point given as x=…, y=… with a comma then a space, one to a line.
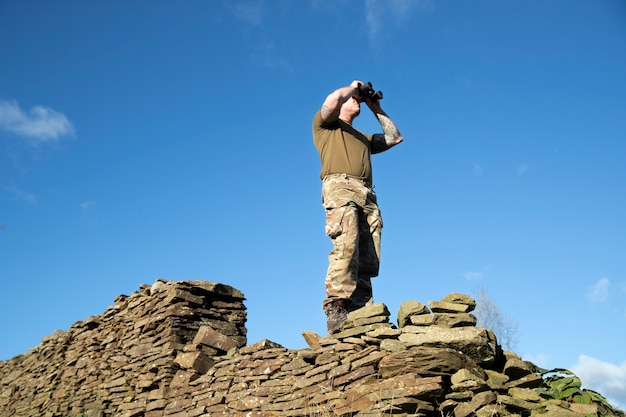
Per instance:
x=179, y=348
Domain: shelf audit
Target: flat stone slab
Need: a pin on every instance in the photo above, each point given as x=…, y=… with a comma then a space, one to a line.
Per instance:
x=477, y=343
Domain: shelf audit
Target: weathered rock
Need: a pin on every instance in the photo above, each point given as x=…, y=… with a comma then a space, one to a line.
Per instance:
x=426, y=361
x=445, y=307
x=496, y=380
x=555, y=411
x=464, y=375
x=457, y=298
x=208, y=336
x=347, y=332
x=527, y=381
x=584, y=408
x=408, y=309
x=525, y=394
x=492, y=410
x=444, y=320
x=368, y=315
x=479, y=400
x=478, y=344
x=197, y=361
x=517, y=404
x=516, y=368
x=382, y=333
x=178, y=349
x=392, y=345
x=312, y=339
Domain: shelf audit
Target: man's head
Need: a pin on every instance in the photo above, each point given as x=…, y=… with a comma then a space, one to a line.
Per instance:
x=350, y=109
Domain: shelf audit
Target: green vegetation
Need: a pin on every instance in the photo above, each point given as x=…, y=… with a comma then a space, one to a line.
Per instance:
x=562, y=384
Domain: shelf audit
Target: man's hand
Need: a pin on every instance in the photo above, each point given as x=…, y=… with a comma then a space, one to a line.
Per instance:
x=374, y=106
x=357, y=84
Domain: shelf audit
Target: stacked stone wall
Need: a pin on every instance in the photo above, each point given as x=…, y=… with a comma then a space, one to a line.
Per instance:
x=179, y=349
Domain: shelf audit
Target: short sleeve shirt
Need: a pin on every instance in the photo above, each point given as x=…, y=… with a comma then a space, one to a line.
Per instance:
x=342, y=148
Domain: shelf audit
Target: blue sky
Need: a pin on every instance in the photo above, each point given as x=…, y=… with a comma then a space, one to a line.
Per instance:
x=160, y=139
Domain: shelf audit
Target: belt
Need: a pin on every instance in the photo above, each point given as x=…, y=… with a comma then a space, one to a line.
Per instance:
x=365, y=182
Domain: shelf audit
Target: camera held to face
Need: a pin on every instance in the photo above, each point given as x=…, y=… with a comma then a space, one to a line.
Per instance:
x=367, y=91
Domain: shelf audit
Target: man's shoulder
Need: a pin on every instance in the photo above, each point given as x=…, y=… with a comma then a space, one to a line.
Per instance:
x=319, y=122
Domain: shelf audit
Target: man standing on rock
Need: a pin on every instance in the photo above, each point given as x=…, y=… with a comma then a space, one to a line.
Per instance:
x=353, y=220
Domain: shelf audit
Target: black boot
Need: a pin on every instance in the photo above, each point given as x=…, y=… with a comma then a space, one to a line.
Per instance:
x=336, y=314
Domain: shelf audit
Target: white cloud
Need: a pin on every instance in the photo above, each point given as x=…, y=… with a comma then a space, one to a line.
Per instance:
x=88, y=204
x=40, y=123
x=599, y=292
x=522, y=169
x=606, y=378
x=249, y=12
x=477, y=169
x=20, y=194
x=472, y=275
x=267, y=54
x=376, y=11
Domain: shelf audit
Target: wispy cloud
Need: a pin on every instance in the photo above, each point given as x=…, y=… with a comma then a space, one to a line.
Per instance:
x=265, y=51
x=377, y=11
x=20, y=194
x=473, y=275
x=88, y=204
x=477, y=169
x=522, y=169
x=268, y=55
x=250, y=12
x=40, y=124
x=599, y=292
x=606, y=378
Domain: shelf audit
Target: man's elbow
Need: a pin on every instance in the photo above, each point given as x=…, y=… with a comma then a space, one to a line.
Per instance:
x=333, y=100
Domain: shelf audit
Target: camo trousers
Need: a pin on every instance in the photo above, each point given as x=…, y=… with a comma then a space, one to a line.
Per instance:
x=354, y=224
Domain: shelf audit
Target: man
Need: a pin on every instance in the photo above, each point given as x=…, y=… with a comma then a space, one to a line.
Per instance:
x=353, y=220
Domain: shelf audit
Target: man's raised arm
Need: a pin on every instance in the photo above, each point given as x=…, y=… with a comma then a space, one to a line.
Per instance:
x=334, y=101
x=391, y=136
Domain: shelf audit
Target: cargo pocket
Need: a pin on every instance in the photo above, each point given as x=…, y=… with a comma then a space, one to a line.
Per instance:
x=334, y=218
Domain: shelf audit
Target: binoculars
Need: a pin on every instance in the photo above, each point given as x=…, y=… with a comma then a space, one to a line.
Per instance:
x=367, y=91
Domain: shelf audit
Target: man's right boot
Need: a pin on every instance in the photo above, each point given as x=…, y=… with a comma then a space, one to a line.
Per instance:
x=336, y=315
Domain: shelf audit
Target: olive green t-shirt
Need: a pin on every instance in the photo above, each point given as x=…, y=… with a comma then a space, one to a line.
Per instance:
x=342, y=148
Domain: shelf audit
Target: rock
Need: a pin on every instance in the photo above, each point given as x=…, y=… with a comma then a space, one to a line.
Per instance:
x=516, y=368
x=457, y=298
x=478, y=401
x=463, y=375
x=444, y=307
x=312, y=339
x=495, y=380
x=527, y=381
x=392, y=345
x=444, y=320
x=179, y=348
x=409, y=309
x=478, y=344
x=525, y=394
x=584, y=408
x=208, y=336
x=426, y=361
x=197, y=361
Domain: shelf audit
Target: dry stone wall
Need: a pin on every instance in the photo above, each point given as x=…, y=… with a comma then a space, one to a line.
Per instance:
x=179, y=349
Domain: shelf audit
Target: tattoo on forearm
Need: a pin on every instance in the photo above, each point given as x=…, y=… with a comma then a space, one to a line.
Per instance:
x=327, y=112
x=389, y=129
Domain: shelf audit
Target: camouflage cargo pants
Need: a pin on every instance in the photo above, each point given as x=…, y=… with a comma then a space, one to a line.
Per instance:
x=354, y=224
